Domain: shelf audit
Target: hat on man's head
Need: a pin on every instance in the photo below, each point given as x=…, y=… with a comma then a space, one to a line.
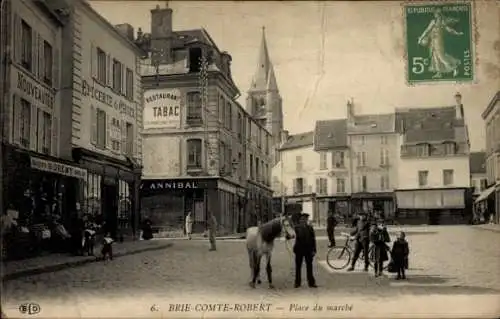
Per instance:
x=304, y=215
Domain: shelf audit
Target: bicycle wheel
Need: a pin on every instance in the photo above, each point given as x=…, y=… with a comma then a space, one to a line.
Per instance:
x=338, y=257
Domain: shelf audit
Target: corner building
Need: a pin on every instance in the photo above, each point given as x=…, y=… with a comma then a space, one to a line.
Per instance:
x=202, y=151
x=106, y=118
x=37, y=181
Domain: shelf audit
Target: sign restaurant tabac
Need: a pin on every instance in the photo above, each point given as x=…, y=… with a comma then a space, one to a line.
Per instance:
x=439, y=42
x=162, y=108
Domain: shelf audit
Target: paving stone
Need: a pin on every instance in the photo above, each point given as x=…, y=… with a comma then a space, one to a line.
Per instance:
x=449, y=261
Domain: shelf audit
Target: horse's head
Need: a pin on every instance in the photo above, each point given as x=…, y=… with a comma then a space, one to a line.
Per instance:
x=287, y=227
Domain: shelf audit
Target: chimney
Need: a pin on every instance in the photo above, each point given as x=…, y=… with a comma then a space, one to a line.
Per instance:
x=126, y=30
x=350, y=109
x=161, y=35
x=459, y=109
x=284, y=136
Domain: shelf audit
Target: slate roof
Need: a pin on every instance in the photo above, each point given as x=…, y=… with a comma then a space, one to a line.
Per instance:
x=299, y=140
x=428, y=124
x=330, y=134
x=374, y=123
x=477, y=162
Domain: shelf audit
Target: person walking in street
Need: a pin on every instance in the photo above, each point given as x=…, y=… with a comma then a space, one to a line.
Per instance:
x=399, y=255
x=212, y=228
x=189, y=225
x=362, y=237
x=304, y=249
x=331, y=222
x=379, y=237
x=147, y=229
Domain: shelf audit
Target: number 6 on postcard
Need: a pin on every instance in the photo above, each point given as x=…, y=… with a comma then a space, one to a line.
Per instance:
x=439, y=42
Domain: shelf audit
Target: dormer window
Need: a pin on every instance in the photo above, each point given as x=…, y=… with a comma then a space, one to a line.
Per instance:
x=195, y=60
x=449, y=148
x=423, y=150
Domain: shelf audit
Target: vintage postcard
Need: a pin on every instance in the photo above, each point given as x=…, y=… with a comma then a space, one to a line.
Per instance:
x=250, y=159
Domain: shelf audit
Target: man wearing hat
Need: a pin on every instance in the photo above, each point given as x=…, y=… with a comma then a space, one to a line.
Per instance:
x=304, y=249
x=362, y=235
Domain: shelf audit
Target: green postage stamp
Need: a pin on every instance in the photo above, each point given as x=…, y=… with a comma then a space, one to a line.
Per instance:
x=439, y=42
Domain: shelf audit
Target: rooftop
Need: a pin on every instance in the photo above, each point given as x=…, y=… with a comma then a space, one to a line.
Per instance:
x=428, y=124
x=298, y=141
x=330, y=134
x=477, y=162
x=373, y=123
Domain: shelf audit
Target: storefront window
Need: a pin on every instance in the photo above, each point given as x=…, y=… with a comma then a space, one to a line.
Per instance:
x=124, y=204
x=92, y=195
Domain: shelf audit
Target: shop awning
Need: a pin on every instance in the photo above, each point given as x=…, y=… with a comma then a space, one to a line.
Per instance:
x=485, y=194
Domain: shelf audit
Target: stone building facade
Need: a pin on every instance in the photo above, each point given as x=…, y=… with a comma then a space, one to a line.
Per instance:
x=433, y=171
x=491, y=116
x=38, y=181
x=196, y=135
x=106, y=117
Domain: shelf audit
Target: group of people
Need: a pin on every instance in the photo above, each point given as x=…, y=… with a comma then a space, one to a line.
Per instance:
x=366, y=231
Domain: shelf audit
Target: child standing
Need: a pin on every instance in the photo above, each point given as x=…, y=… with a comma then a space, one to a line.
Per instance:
x=399, y=254
x=379, y=237
x=107, y=248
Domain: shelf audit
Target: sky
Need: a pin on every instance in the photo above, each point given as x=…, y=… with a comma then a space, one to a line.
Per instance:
x=325, y=53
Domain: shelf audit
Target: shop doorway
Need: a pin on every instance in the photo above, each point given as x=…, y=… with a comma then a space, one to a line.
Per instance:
x=109, y=200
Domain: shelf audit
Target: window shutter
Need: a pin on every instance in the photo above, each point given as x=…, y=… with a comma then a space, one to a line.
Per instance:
x=93, y=125
x=33, y=127
x=93, y=60
x=124, y=79
x=123, y=127
x=39, y=130
x=318, y=185
x=109, y=122
x=55, y=136
x=17, y=38
x=55, y=67
x=109, y=71
x=16, y=132
x=34, y=52
x=41, y=61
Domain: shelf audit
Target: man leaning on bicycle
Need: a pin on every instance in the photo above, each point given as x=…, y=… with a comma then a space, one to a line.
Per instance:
x=362, y=244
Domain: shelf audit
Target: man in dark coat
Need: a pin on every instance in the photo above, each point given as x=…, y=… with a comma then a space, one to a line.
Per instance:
x=304, y=249
x=362, y=234
x=331, y=222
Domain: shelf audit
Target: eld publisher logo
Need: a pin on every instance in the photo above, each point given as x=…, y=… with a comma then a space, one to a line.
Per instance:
x=29, y=308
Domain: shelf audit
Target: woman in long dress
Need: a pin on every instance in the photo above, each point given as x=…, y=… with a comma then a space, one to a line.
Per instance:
x=189, y=225
x=433, y=37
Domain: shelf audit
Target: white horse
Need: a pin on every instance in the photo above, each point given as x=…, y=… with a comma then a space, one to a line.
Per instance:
x=260, y=242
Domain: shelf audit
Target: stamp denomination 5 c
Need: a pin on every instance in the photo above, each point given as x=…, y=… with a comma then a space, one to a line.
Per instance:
x=439, y=42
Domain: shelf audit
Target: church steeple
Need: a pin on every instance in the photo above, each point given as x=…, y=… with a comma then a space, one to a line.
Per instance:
x=271, y=81
x=260, y=79
x=264, y=101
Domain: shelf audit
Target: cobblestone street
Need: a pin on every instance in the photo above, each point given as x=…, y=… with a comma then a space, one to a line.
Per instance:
x=445, y=262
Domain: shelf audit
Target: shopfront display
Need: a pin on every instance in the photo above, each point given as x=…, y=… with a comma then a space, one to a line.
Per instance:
x=167, y=201
x=110, y=192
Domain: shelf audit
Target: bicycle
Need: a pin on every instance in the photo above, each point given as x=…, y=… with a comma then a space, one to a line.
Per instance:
x=344, y=255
